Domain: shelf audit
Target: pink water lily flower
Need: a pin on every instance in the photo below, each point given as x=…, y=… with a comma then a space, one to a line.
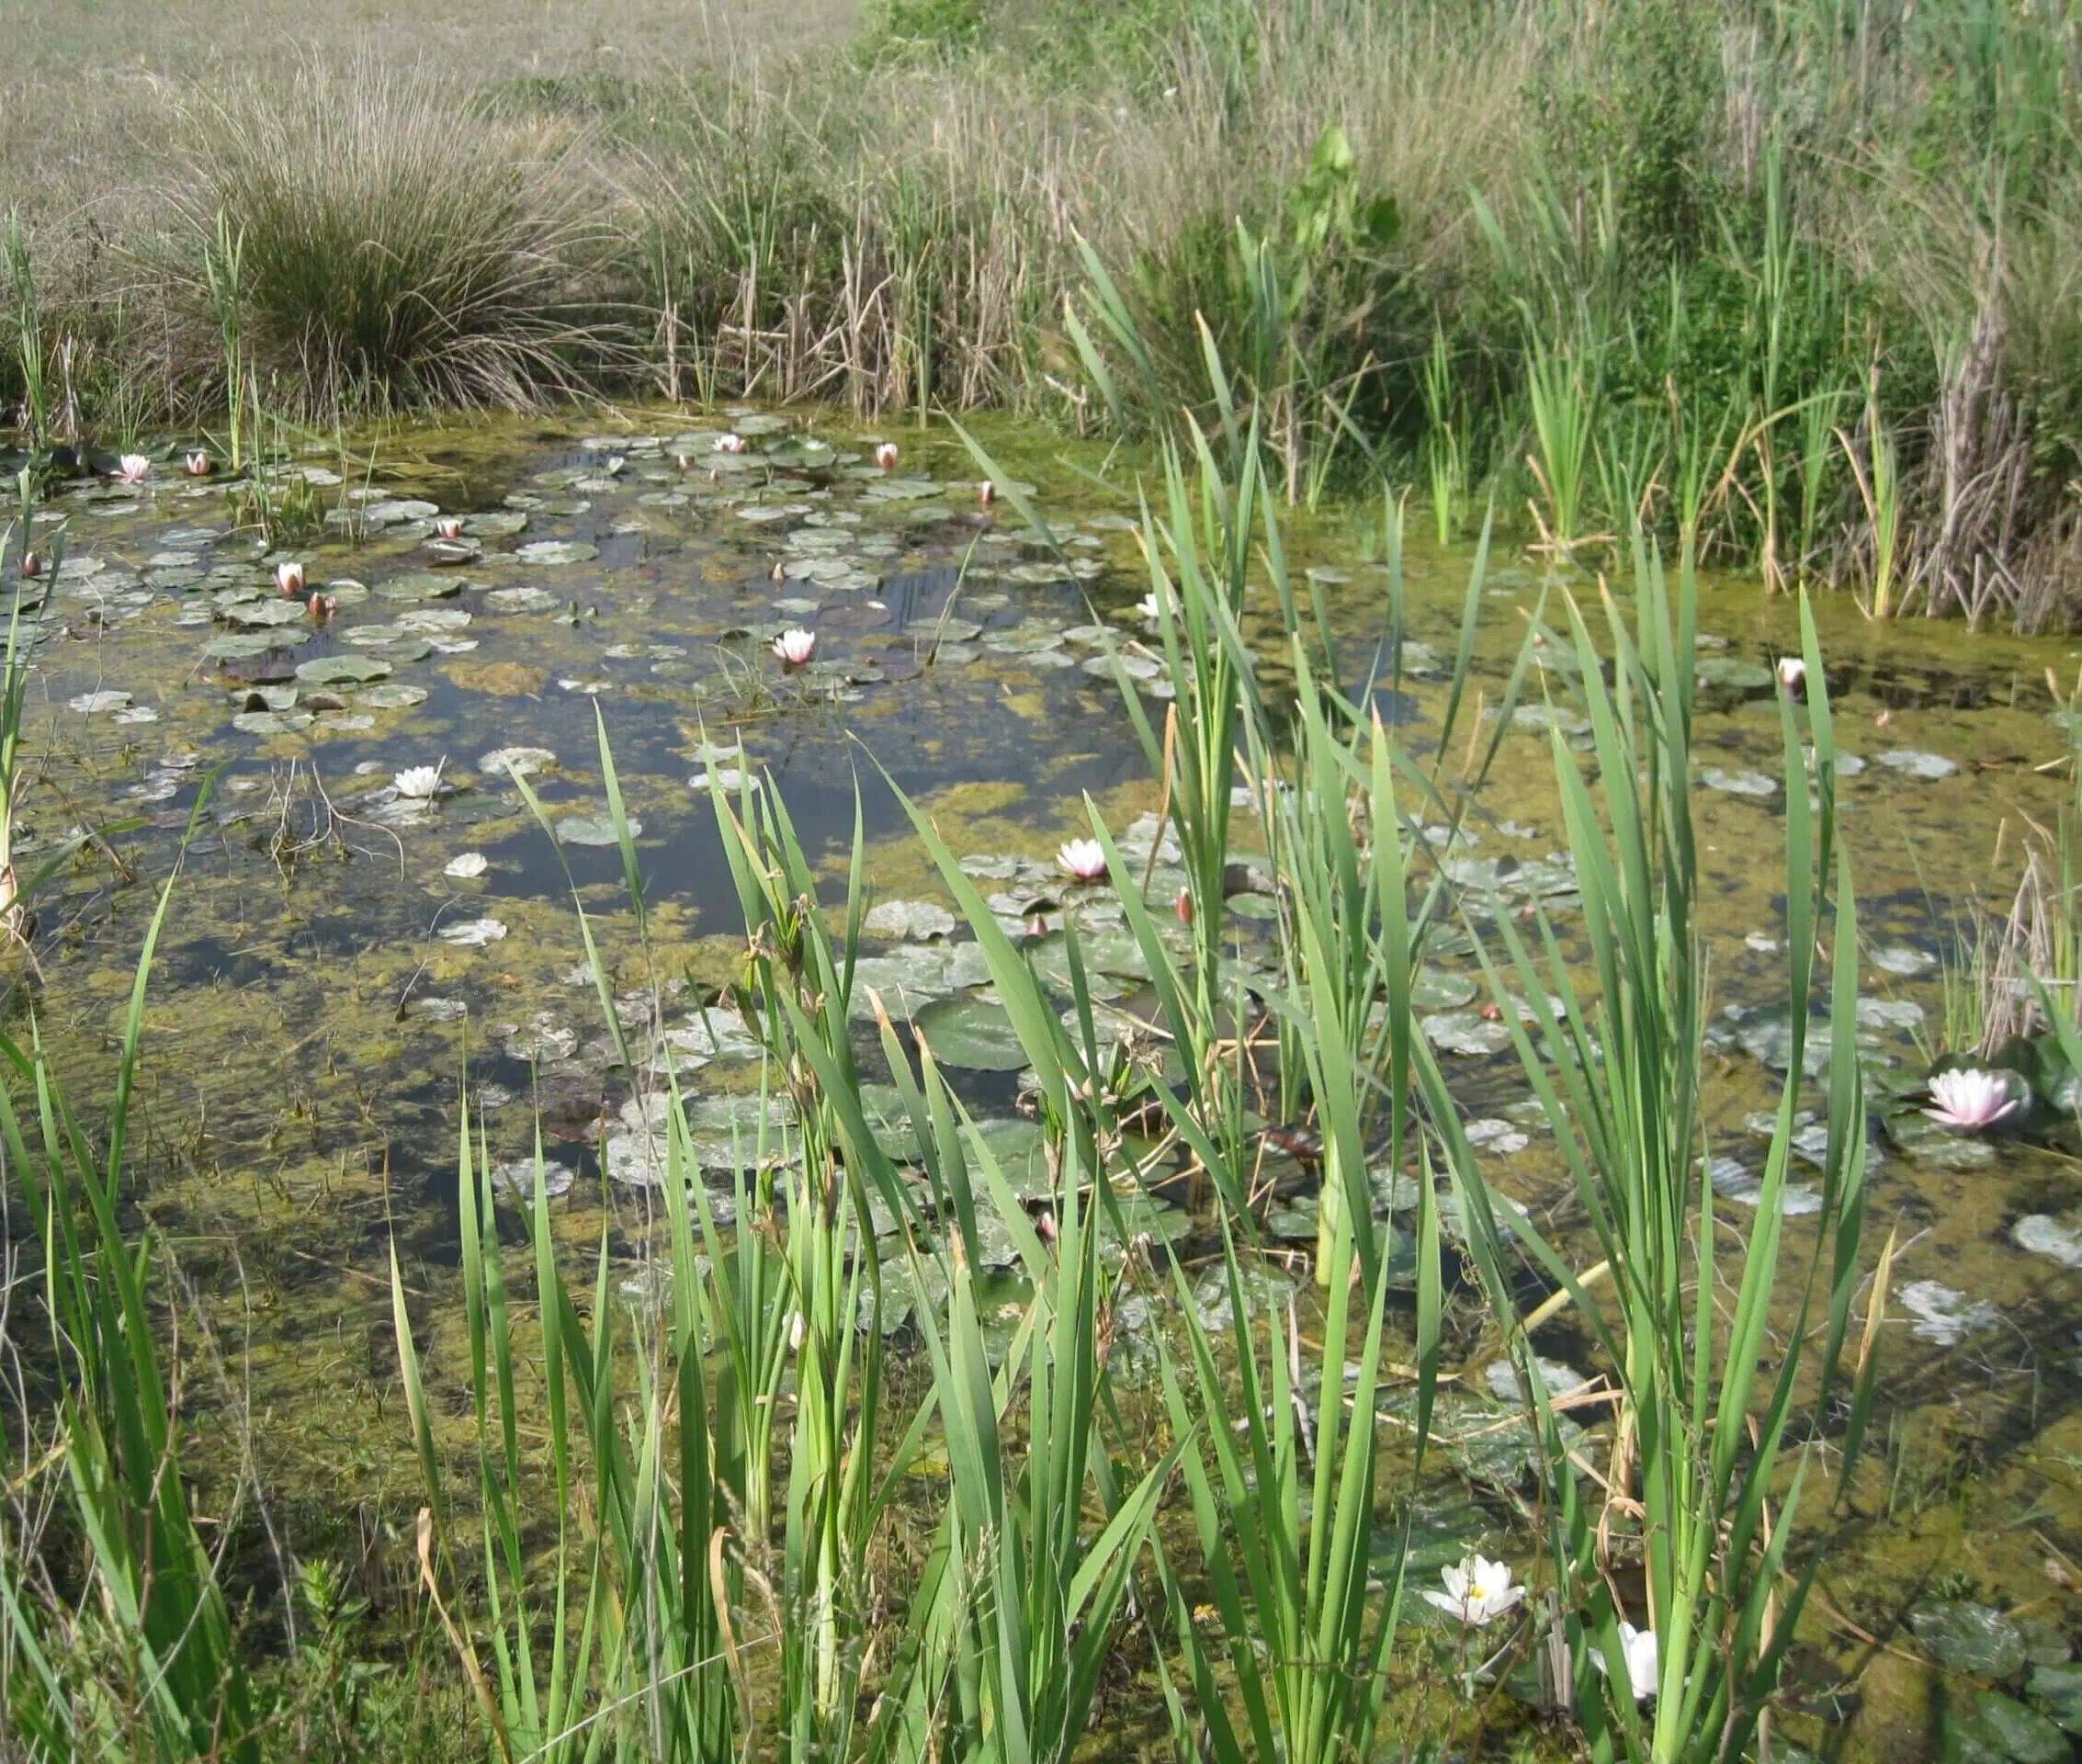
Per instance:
x=200, y=465
x=986, y=493
x=796, y=647
x=727, y=443
x=134, y=468
x=289, y=578
x=886, y=456
x=1969, y=1100
x=449, y=526
x=1085, y=859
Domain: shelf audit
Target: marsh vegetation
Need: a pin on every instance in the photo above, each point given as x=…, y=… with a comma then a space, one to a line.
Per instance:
x=1048, y=884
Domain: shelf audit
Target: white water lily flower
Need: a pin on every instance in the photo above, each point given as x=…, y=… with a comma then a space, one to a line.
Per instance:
x=796, y=647
x=449, y=526
x=886, y=456
x=1793, y=674
x=289, y=578
x=986, y=493
x=200, y=465
x=133, y=469
x=468, y=866
x=420, y=782
x=1638, y=1647
x=1477, y=1591
x=1969, y=1100
x=1083, y=858
x=1149, y=607
x=727, y=443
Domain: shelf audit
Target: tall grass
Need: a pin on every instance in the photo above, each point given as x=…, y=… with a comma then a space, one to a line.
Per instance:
x=1693, y=1489
x=147, y=1664
x=388, y=247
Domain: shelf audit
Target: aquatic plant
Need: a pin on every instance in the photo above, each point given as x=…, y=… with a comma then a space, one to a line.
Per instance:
x=795, y=647
x=1693, y=1478
x=1970, y=1101
x=1477, y=1590
x=1082, y=860
x=149, y=1667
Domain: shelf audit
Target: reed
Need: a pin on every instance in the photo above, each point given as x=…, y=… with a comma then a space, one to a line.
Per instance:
x=1694, y=1486
x=151, y=1666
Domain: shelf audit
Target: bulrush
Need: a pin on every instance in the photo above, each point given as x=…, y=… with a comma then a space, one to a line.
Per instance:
x=289, y=578
x=449, y=526
x=133, y=469
x=200, y=465
x=1793, y=676
x=1969, y=1100
x=986, y=493
x=728, y=444
x=886, y=456
x=795, y=647
x=1085, y=859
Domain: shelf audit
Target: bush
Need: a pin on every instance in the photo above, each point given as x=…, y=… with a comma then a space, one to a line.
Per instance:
x=390, y=255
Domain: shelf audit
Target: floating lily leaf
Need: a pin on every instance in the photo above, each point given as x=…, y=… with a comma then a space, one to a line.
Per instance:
x=272, y=722
x=1970, y=1638
x=1731, y=674
x=593, y=830
x=521, y=600
x=557, y=552
x=525, y=761
x=237, y=645
x=473, y=934
x=420, y=585
x=973, y=1034
x=260, y=614
x=390, y=695
x=1911, y=763
x=1742, y=783
x=342, y=670
x=908, y=919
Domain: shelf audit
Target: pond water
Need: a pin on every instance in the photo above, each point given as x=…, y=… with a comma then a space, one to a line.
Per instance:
x=339, y=949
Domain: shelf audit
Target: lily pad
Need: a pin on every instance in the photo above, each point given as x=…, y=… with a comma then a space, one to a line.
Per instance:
x=1464, y=1032
x=974, y=1033
x=390, y=695
x=1740, y=783
x=593, y=830
x=420, y=585
x=1945, y=1316
x=260, y=614
x=272, y=722
x=521, y=600
x=473, y=934
x=2045, y=1236
x=343, y=669
x=908, y=919
x=2058, y=1690
x=2019, y=1734
x=1732, y=674
x=557, y=552
x=1911, y=763
x=237, y=645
